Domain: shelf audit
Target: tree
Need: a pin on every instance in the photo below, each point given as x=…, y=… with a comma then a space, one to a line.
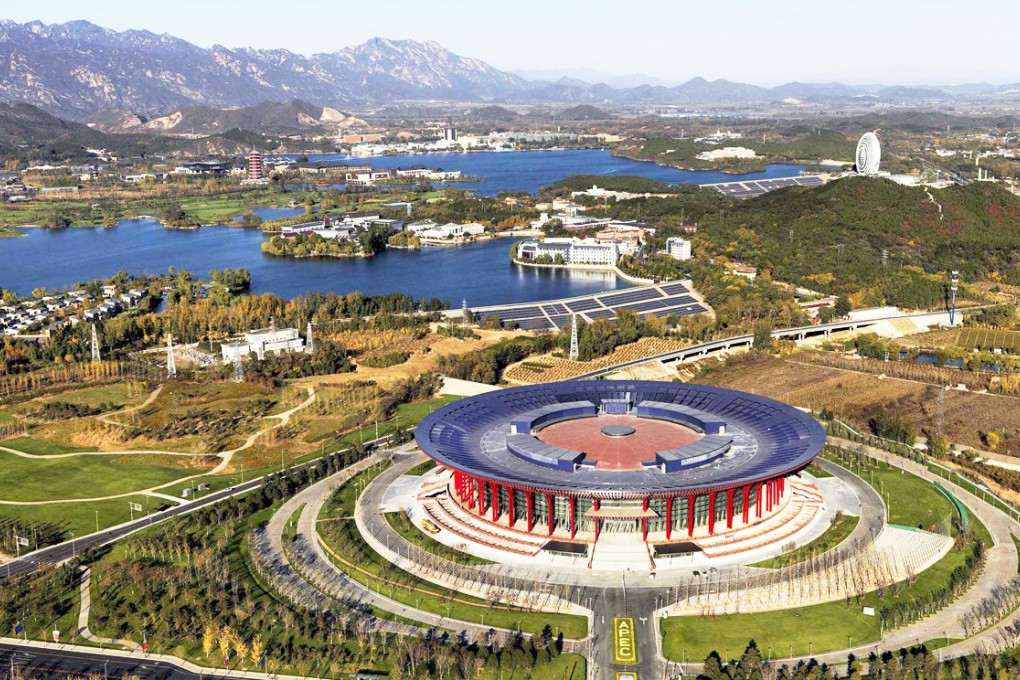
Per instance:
x=209, y=639
x=826, y=314
x=762, y=337
x=842, y=307
x=256, y=651
x=992, y=440
x=173, y=213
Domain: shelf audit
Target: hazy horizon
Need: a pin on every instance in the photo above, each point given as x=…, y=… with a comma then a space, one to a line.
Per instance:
x=911, y=43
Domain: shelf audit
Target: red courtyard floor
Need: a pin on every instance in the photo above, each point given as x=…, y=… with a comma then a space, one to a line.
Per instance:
x=618, y=453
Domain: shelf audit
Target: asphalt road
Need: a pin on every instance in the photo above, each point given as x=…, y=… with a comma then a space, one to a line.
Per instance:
x=61, y=552
x=57, y=663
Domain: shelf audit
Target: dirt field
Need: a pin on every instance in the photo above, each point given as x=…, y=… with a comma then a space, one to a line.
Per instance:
x=856, y=397
x=419, y=362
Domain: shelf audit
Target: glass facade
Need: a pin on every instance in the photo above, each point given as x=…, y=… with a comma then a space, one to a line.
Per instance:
x=657, y=516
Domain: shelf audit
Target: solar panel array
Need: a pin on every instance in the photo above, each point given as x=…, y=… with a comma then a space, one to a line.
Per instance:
x=660, y=300
x=753, y=188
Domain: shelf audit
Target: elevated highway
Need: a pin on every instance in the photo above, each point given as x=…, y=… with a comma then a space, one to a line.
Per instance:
x=798, y=334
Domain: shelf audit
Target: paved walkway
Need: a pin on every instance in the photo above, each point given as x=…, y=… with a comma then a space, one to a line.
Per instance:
x=83, y=616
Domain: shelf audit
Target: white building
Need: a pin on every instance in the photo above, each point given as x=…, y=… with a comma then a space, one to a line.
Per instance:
x=726, y=152
x=678, y=248
x=261, y=341
x=448, y=230
x=574, y=250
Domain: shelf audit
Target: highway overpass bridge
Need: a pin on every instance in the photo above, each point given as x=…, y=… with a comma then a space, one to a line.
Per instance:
x=797, y=334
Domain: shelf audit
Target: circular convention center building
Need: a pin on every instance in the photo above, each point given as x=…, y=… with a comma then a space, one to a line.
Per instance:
x=559, y=465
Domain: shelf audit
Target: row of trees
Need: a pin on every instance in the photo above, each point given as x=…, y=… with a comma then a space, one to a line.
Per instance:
x=914, y=663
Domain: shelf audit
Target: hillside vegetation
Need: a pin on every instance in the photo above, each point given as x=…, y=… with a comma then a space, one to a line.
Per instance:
x=831, y=238
x=683, y=152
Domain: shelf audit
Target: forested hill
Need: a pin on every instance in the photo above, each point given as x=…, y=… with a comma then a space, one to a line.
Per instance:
x=831, y=238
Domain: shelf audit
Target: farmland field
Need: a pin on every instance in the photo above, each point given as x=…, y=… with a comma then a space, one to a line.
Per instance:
x=980, y=338
x=856, y=397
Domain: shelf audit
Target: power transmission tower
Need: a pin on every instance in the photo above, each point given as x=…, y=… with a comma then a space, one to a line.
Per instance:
x=171, y=365
x=95, y=346
x=310, y=339
x=465, y=313
x=574, y=354
x=238, y=370
x=952, y=288
x=885, y=257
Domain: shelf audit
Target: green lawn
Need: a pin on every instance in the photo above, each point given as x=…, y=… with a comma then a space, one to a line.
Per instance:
x=814, y=629
x=41, y=447
x=408, y=415
x=818, y=471
x=113, y=393
x=421, y=468
x=79, y=477
x=410, y=532
x=912, y=501
x=833, y=536
x=222, y=208
x=80, y=518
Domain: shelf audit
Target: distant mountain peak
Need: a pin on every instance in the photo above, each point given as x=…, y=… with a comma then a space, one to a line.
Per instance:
x=77, y=68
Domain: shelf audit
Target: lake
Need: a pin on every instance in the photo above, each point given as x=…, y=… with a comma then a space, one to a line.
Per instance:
x=480, y=272
x=531, y=170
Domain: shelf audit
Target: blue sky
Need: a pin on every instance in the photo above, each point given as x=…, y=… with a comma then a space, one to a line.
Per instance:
x=767, y=42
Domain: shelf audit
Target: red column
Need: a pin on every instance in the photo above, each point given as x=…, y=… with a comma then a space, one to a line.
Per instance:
x=768, y=495
x=644, y=520
x=729, y=509
x=595, y=504
x=669, y=517
x=471, y=492
x=711, y=513
x=531, y=510
x=550, y=511
x=481, y=496
x=511, y=506
x=690, y=515
x=573, y=516
x=494, y=501
x=744, y=501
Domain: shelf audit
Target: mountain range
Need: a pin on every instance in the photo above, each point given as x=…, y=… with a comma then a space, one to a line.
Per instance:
x=77, y=69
